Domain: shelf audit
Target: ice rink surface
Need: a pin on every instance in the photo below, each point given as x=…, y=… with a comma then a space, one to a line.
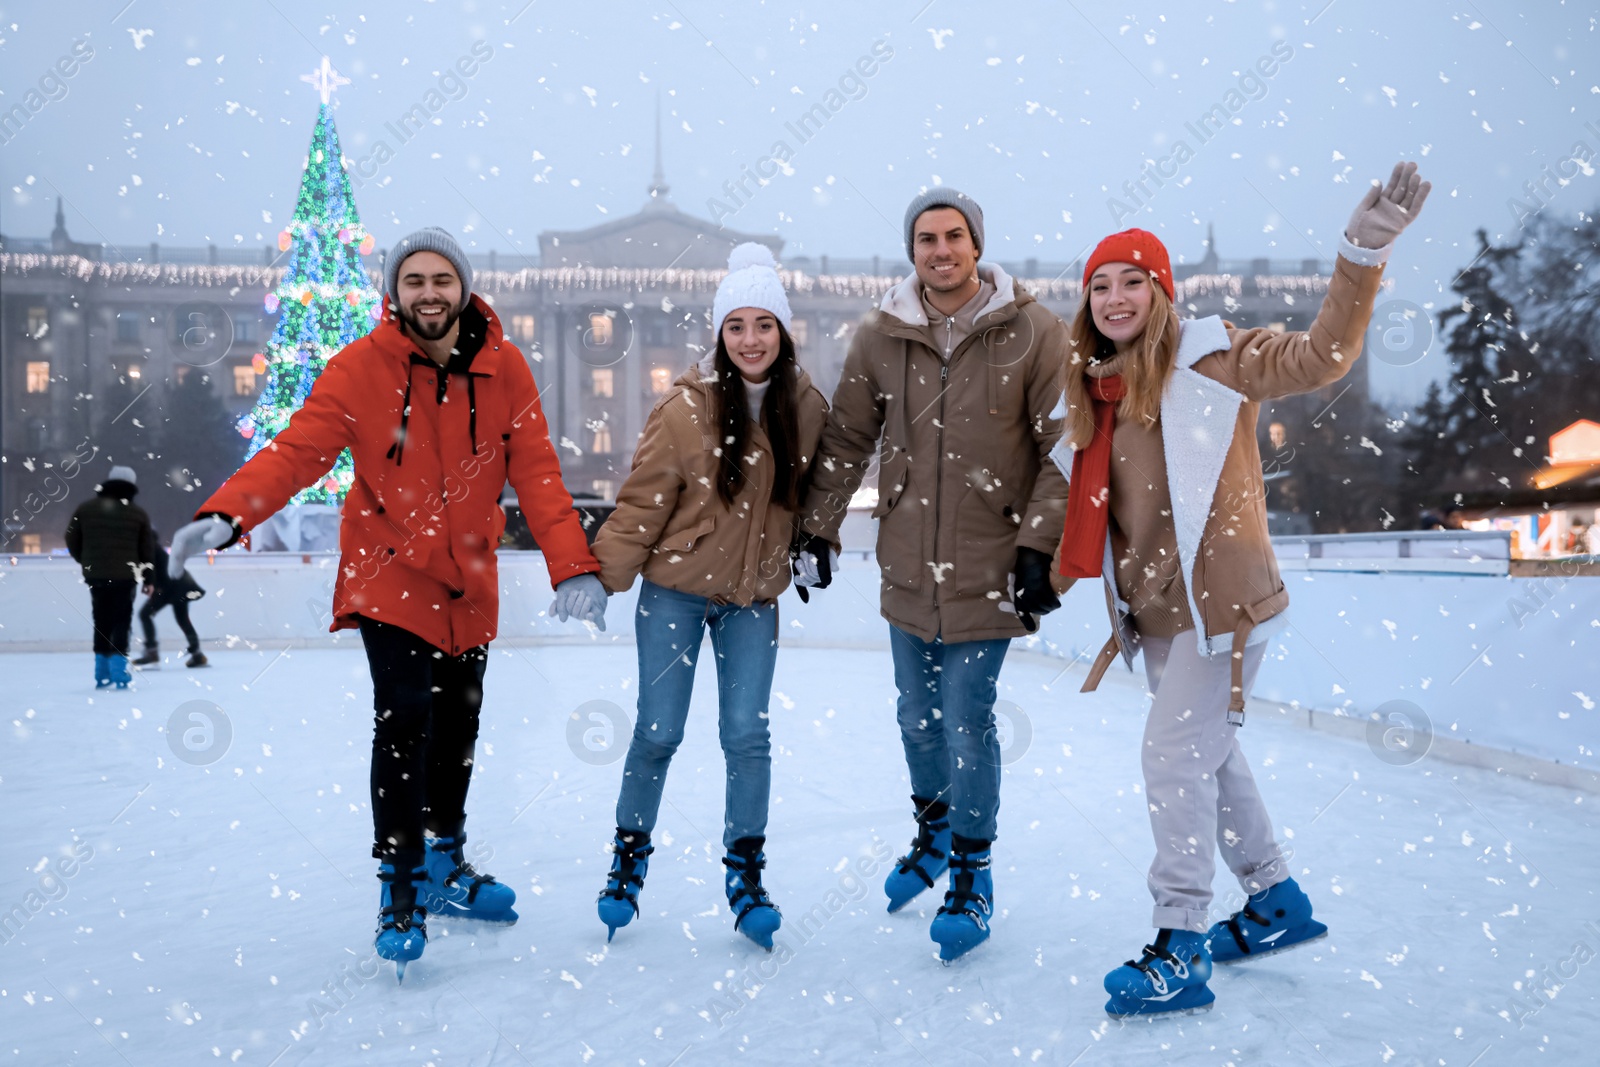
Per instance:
x=219, y=907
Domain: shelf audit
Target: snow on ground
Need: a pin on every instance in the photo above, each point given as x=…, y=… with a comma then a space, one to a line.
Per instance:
x=164, y=911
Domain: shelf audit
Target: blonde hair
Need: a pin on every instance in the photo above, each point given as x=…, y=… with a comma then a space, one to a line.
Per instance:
x=1145, y=374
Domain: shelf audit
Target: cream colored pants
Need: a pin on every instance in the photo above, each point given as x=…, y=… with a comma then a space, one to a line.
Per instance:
x=1198, y=786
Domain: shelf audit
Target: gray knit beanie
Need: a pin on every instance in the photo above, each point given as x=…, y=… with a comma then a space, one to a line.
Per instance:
x=427, y=239
x=944, y=196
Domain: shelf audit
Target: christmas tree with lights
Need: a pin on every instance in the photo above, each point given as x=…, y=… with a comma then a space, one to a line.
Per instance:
x=326, y=299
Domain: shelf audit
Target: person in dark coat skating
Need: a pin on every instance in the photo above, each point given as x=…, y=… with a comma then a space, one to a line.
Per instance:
x=110, y=538
x=162, y=591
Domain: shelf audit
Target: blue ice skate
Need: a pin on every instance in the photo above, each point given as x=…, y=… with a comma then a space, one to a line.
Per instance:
x=962, y=922
x=630, y=862
x=921, y=868
x=402, y=918
x=455, y=889
x=755, y=915
x=1168, y=979
x=1272, y=920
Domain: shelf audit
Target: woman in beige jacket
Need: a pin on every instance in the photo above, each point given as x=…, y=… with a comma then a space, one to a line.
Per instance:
x=1167, y=504
x=707, y=516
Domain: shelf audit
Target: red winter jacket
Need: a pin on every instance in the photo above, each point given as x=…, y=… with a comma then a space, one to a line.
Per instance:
x=422, y=519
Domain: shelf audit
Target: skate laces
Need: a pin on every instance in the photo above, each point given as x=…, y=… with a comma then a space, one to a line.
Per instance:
x=1249, y=913
x=625, y=874
x=748, y=868
x=1158, y=981
x=397, y=916
x=464, y=870
x=923, y=847
x=964, y=867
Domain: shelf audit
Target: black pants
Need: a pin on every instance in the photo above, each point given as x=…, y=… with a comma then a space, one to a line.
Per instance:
x=112, y=607
x=180, y=611
x=424, y=736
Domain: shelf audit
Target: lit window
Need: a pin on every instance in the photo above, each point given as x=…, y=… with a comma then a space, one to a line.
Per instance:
x=660, y=380
x=599, y=332
x=128, y=323
x=244, y=381
x=604, y=382
x=32, y=545
x=180, y=373
x=39, y=376
x=38, y=323
x=135, y=372
x=522, y=327
x=802, y=332
x=604, y=488
x=602, y=440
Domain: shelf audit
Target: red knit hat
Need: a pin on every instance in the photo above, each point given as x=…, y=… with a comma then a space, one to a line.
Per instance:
x=1139, y=247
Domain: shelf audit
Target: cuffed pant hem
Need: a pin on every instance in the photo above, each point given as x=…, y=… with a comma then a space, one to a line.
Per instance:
x=1180, y=919
x=1265, y=876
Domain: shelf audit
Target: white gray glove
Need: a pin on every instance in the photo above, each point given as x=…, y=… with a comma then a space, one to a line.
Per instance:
x=1388, y=209
x=807, y=572
x=582, y=598
x=199, y=536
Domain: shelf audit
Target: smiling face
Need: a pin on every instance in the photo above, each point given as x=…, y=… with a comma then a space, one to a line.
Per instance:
x=429, y=295
x=943, y=252
x=1119, y=301
x=753, y=340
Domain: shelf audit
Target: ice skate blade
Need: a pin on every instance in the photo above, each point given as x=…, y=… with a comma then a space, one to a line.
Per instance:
x=1200, y=1009
x=400, y=971
x=452, y=917
x=1273, y=951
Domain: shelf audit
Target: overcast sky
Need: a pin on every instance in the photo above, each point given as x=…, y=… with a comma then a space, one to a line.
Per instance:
x=189, y=124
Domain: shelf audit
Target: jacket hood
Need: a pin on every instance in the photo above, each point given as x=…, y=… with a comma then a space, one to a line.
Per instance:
x=903, y=301
x=116, y=487
x=391, y=338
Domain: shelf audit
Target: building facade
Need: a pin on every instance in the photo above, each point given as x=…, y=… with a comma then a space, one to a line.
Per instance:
x=608, y=320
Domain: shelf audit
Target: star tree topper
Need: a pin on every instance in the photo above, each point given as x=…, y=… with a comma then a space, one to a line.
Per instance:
x=325, y=79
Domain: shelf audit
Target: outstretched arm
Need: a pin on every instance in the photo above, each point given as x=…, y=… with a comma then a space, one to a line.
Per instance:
x=302, y=452
x=1262, y=364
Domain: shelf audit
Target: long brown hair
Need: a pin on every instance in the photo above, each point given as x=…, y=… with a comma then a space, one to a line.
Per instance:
x=779, y=415
x=1144, y=374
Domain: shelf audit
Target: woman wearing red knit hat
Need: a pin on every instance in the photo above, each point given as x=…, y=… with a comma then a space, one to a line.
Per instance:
x=1167, y=504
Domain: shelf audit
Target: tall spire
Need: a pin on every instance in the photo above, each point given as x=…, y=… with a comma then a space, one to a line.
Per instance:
x=1209, y=262
x=658, y=183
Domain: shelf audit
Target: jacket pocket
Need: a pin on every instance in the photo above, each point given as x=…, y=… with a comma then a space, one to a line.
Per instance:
x=683, y=540
x=986, y=542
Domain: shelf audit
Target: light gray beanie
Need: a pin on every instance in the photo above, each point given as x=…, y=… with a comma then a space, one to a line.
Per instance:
x=123, y=474
x=427, y=239
x=944, y=196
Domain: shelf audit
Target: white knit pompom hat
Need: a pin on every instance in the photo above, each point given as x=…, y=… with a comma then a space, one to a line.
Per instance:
x=752, y=282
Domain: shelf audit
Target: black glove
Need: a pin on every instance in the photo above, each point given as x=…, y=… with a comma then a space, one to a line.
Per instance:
x=819, y=551
x=1032, y=594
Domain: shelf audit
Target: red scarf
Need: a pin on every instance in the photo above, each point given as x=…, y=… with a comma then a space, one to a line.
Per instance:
x=1083, y=543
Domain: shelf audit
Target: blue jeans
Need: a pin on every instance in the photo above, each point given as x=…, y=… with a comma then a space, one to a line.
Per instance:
x=946, y=712
x=669, y=629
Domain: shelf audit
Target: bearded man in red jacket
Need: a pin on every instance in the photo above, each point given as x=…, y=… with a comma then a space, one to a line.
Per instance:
x=438, y=410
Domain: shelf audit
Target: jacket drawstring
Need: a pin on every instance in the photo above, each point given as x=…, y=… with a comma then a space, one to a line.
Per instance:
x=397, y=450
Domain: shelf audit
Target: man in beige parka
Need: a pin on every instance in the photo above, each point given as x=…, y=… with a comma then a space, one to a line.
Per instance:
x=951, y=383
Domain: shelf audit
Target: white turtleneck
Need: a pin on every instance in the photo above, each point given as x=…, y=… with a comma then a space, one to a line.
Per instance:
x=755, y=393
